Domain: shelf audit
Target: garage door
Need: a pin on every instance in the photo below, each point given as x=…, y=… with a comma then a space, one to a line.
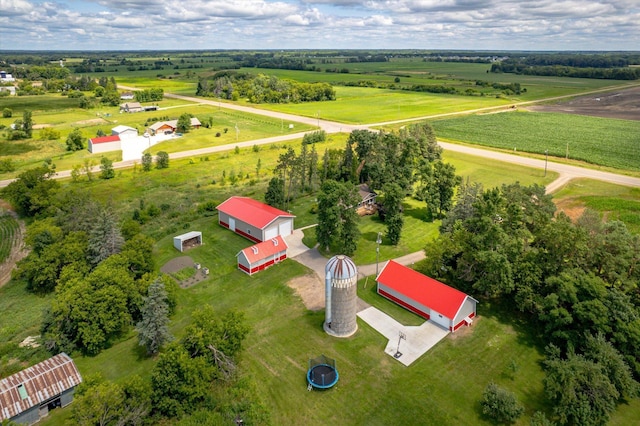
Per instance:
x=271, y=233
x=439, y=319
x=285, y=228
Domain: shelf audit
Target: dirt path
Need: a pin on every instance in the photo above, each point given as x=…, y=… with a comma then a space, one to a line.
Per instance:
x=17, y=252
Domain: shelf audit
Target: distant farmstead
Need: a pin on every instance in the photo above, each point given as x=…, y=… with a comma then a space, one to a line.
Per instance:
x=131, y=107
x=444, y=305
x=27, y=396
x=262, y=255
x=164, y=127
x=254, y=220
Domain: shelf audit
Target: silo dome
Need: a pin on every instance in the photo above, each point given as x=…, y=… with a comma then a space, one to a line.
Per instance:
x=341, y=278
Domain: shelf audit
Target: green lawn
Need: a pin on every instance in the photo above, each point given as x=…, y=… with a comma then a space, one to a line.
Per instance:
x=601, y=141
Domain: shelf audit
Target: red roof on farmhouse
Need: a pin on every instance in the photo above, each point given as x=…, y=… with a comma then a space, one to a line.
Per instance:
x=105, y=139
x=251, y=211
x=265, y=249
x=424, y=290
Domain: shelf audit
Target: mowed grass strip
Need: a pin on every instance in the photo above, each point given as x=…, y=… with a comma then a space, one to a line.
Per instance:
x=8, y=233
x=601, y=141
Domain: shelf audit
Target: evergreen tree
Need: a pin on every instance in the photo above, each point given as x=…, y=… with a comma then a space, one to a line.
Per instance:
x=162, y=160
x=105, y=238
x=275, y=193
x=153, y=330
x=27, y=123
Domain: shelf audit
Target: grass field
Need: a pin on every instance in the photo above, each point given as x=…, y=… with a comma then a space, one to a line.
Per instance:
x=357, y=105
x=613, y=202
x=602, y=141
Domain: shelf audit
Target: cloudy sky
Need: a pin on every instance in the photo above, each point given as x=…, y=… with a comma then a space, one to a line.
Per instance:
x=320, y=24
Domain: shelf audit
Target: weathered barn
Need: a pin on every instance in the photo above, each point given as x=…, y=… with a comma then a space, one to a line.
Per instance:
x=429, y=298
x=262, y=255
x=27, y=396
x=254, y=220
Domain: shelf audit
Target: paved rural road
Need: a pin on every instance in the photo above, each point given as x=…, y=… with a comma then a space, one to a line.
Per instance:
x=566, y=172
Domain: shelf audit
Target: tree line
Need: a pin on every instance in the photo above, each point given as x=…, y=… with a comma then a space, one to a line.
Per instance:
x=576, y=283
x=263, y=89
x=517, y=66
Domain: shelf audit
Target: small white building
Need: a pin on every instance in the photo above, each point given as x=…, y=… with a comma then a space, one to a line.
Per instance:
x=124, y=131
x=188, y=240
x=260, y=256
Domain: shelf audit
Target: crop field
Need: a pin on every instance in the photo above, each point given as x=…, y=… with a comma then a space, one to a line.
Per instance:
x=8, y=233
x=607, y=142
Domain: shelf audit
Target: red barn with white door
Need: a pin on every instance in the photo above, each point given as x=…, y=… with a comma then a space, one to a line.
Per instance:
x=425, y=296
x=254, y=220
x=262, y=255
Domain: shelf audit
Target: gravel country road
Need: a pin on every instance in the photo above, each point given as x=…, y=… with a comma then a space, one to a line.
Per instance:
x=567, y=172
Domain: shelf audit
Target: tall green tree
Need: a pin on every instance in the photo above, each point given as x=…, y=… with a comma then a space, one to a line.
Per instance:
x=105, y=238
x=275, y=193
x=162, y=160
x=337, y=218
x=75, y=140
x=106, y=168
x=147, y=161
x=580, y=391
x=180, y=382
x=184, y=123
x=392, y=208
x=153, y=329
x=27, y=123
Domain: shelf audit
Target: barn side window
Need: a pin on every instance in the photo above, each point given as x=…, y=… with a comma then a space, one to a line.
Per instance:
x=249, y=231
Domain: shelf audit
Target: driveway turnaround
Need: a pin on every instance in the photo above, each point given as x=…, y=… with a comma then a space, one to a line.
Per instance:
x=417, y=341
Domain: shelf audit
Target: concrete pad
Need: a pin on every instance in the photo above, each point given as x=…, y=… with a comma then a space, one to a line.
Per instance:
x=419, y=339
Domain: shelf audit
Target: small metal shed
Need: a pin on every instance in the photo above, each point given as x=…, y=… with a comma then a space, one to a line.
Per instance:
x=188, y=240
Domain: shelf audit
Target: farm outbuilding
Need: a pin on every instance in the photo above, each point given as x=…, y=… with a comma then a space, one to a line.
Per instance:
x=444, y=305
x=262, y=255
x=27, y=396
x=186, y=241
x=254, y=220
x=104, y=144
x=124, y=131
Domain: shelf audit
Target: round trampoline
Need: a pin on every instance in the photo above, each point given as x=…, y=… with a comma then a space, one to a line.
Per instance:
x=322, y=373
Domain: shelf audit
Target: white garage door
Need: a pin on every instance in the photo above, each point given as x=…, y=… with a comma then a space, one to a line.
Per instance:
x=271, y=233
x=285, y=228
x=439, y=319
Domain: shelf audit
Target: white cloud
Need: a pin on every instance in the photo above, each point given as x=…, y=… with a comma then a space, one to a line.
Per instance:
x=255, y=24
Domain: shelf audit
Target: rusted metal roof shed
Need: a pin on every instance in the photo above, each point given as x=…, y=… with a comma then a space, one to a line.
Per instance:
x=27, y=396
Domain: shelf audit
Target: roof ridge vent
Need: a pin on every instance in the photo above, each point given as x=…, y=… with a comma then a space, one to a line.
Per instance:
x=274, y=241
x=255, y=249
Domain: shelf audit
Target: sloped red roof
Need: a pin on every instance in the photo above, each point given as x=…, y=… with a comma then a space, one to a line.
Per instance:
x=424, y=290
x=36, y=384
x=251, y=211
x=264, y=249
x=105, y=139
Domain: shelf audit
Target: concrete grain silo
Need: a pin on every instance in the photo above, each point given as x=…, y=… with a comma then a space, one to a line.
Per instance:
x=341, y=278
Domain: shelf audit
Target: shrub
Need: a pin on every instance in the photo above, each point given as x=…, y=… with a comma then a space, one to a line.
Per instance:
x=500, y=404
x=7, y=113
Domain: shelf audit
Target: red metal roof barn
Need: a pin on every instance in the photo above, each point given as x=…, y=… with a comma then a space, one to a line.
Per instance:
x=425, y=296
x=254, y=220
x=262, y=255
